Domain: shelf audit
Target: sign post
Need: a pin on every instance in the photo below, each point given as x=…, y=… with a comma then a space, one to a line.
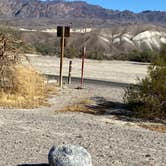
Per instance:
x=70, y=70
x=62, y=32
x=83, y=62
x=61, y=58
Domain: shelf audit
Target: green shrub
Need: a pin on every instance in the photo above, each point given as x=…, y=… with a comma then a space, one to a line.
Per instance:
x=143, y=56
x=97, y=55
x=148, y=98
x=46, y=48
x=72, y=52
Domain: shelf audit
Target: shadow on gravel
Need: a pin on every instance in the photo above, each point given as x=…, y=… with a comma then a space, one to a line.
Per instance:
x=117, y=109
x=106, y=107
x=33, y=165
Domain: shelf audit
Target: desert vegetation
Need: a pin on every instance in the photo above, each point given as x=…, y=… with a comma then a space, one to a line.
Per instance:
x=48, y=44
x=144, y=55
x=82, y=106
x=148, y=98
x=20, y=85
x=12, y=33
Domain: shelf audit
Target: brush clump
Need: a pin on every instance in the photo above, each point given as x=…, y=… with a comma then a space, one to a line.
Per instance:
x=20, y=86
x=24, y=88
x=28, y=88
x=82, y=106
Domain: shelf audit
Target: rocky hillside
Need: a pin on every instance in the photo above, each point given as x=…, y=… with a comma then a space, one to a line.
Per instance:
x=101, y=43
x=120, y=40
x=78, y=13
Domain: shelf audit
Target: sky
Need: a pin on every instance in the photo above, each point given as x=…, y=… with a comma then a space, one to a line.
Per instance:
x=133, y=5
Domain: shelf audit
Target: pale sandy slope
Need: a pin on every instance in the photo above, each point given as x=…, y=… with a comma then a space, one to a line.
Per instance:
x=118, y=71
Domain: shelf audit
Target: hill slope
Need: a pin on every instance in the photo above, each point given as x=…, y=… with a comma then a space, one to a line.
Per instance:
x=101, y=43
x=79, y=13
x=116, y=41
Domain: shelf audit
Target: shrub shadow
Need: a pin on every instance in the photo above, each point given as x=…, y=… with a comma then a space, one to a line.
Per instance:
x=106, y=107
x=117, y=109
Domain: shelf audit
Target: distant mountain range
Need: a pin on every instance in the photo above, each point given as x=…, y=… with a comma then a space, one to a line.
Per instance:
x=78, y=13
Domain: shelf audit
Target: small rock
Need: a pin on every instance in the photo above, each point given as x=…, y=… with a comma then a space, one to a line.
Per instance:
x=69, y=155
x=147, y=155
x=79, y=136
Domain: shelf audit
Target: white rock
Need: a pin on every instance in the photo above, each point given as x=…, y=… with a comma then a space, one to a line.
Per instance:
x=69, y=155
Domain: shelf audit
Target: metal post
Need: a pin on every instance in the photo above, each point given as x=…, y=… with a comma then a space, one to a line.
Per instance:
x=61, y=58
x=83, y=61
x=70, y=70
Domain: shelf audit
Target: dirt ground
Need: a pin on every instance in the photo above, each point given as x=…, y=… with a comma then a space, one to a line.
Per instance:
x=112, y=138
x=117, y=71
x=27, y=135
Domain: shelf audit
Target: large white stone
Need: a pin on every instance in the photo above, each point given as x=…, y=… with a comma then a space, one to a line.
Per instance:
x=69, y=155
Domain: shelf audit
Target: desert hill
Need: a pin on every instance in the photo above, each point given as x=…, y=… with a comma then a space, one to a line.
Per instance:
x=36, y=13
x=101, y=42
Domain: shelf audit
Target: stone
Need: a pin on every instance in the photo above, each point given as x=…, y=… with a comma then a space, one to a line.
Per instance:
x=69, y=155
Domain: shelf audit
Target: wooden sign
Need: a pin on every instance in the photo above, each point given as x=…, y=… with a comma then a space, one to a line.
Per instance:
x=60, y=31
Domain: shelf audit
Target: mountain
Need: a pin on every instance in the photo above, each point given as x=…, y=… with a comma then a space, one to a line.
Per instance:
x=114, y=33
x=79, y=13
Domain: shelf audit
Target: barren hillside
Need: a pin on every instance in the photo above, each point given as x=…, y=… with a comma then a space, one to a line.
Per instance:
x=31, y=13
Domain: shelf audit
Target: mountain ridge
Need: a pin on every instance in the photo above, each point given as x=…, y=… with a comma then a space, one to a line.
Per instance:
x=80, y=12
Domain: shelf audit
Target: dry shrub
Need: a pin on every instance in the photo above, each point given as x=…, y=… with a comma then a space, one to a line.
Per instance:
x=147, y=100
x=82, y=106
x=52, y=88
x=28, y=88
x=154, y=127
x=86, y=102
x=28, y=82
x=78, y=108
x=20, y=86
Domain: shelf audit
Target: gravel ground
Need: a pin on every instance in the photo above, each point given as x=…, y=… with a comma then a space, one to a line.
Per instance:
x=27, y=135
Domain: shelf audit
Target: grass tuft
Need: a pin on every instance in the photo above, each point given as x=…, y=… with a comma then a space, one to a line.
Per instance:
x=158, y=128
x=82, y=106
x=25, y=88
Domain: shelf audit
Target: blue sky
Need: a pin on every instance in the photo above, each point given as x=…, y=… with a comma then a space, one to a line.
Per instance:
x=134, y=5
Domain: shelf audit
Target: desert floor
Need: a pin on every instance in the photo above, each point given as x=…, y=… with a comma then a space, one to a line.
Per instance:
x=118, y=71
x=112, y=138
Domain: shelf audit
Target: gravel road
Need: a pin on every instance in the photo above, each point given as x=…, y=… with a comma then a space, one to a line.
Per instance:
x=27, y=135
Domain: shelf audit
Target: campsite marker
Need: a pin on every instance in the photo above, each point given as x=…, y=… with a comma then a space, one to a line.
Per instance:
x=62, y=31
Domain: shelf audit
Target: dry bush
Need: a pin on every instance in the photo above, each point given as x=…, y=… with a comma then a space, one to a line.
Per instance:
x=154, y=127
x=86, y=102
x=52, y=88
x=148, y=99
x=78, y=108
x=20, y=86
x=82, y=106
x=28, y=88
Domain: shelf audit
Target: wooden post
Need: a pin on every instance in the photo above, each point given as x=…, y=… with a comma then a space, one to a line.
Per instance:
x=70, y=70
x=82, y=70
x=61, y=58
